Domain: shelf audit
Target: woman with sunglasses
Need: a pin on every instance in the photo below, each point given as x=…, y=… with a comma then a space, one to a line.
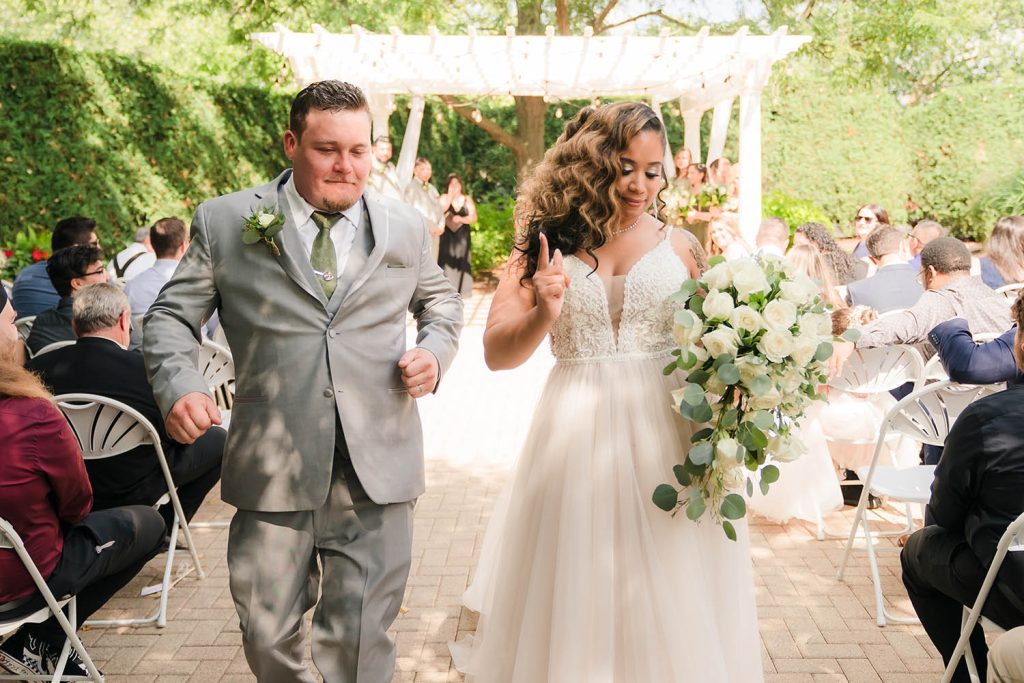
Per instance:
x=869, y=217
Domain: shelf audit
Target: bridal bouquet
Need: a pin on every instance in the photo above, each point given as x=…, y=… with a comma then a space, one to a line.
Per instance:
x=711, y=195
x=754, y=339
x=677, y=203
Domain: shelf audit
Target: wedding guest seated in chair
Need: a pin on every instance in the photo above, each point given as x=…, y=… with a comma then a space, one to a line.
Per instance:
x=46, y=496
x=70, y=269
x=99, y=363
x=968, y=362
x=975, y=496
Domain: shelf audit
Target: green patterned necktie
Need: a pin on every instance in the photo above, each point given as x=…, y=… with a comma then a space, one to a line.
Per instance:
x=323, y=257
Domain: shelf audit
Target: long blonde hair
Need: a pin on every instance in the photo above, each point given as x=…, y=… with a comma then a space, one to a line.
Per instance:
x=810, y=262
x=17, y=382
x=1005, y=248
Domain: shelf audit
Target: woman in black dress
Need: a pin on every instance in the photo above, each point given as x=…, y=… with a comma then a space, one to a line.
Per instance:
x=454, y=250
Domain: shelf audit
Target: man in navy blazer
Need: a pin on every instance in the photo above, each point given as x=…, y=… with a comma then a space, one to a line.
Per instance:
x=895, y=284
x=971, y=363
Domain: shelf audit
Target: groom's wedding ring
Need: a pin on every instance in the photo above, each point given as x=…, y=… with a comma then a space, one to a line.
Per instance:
x=419, y=388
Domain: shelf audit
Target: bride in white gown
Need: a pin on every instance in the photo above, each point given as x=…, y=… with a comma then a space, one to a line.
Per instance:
x=583, y=579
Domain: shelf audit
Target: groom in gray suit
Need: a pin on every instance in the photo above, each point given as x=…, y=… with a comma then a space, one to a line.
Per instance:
x=324, y=457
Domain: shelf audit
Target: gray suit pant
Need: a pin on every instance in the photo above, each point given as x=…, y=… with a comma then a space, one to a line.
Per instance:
x=351, y=551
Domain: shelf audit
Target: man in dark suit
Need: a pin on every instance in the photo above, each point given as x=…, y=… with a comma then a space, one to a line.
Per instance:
x=69, y=269
x=968, y=362
x=975, y=496
x=895, y=284
x=99, y=363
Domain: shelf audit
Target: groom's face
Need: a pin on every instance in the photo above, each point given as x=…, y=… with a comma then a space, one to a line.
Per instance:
x=331, y=159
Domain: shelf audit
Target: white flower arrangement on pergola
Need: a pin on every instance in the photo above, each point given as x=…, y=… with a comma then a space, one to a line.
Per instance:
x=699, y=72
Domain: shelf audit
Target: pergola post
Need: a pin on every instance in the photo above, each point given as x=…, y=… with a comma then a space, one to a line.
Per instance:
x=691, y=131
x=719, y=127
x=410, y=141
x=750, y=163
x=667, y=163
x=380, y=112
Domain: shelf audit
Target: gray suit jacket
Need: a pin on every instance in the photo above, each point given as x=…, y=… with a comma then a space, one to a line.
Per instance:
x=892, y=287
x=302, y=361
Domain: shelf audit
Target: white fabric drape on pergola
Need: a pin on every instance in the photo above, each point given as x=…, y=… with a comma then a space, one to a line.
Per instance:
x=698, y=72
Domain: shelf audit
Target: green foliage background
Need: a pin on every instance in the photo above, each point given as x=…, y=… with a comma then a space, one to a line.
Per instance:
x=126, y=141
x=123, y=141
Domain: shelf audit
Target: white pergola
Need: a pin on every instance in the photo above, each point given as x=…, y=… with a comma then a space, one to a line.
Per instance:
x=698, y=72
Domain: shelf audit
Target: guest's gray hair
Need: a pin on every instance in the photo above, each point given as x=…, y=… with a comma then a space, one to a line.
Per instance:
x=946, y=255
x=98, y=307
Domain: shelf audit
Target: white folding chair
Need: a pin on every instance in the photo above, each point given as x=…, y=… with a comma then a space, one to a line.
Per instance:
x=1011, y=291
x=926, y=415
x=873, y=371
x=105, y=428
x=54, y=346
x=10, y=539
x=1011, y=541
x=218, y=369
x=24, y=326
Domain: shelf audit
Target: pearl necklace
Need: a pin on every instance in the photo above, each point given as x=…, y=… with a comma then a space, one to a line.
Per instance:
x=632, y=225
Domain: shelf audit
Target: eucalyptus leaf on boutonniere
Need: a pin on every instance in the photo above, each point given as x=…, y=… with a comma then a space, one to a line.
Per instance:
x=261, y=226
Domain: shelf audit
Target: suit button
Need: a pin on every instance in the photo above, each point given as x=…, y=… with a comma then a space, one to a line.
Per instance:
x=332, y=334
x=328, y=393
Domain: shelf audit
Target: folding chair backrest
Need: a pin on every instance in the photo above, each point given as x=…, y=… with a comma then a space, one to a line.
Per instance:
x=105, y=427
x=24, y=325
x=1011, y=291
x=216, y=364
x=927, y=414
x=873, y=371
x=54, y=346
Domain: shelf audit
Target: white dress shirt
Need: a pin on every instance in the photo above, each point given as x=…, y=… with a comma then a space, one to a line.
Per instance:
x=343, y=232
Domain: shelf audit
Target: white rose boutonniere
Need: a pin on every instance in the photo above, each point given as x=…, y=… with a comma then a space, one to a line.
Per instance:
x=261, y=226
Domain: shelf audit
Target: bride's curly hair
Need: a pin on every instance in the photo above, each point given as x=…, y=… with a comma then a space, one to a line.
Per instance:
x=571, y=195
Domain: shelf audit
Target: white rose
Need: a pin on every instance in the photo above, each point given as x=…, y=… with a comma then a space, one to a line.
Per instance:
x=747, y=319
x=733, y=478
x=784, y=448
x=792, y=380
x=804, y=348
x=686, y=336
x=796, y=290
x=771, y=399
x=819, y=324
x=775, y=345
x=717, y=305
x=747, y=278
x=265, y=219
x=780, y=314
x=701, y=353
x=725, y=453
x=750, y=369
x=718, y=277
x=721, y=341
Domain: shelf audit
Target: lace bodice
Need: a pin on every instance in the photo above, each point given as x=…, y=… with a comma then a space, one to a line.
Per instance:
x=584, y=332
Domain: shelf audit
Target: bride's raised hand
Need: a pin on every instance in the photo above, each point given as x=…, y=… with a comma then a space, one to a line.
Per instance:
x=549, y=281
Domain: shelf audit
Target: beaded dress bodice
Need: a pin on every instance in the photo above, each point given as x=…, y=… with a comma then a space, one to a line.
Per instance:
x=584, y=331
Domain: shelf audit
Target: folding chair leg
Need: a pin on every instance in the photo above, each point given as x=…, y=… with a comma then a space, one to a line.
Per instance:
x=74, y=641
x=858, y=519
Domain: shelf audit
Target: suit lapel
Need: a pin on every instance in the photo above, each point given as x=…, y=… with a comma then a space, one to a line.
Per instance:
x=380, y=225
x=293, y=257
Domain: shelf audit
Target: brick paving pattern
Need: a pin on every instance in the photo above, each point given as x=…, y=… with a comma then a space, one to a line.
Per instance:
x=814, y=629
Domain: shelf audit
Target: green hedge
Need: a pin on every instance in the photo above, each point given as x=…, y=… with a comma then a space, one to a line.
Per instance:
x=122, y=142
x=969, y=152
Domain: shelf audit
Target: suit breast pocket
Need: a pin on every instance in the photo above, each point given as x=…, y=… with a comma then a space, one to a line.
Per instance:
x=399, y=271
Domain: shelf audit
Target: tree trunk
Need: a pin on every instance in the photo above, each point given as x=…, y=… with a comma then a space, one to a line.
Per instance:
x=531, y=112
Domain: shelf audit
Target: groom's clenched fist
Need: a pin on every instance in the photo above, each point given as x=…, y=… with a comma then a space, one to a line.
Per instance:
x=419, y=371
x=191, y=416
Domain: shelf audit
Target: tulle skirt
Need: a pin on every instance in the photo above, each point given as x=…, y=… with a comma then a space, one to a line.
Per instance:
x=808, y=487
x=581, y=578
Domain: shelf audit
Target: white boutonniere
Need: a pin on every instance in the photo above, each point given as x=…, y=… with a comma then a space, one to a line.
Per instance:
x=261, y=226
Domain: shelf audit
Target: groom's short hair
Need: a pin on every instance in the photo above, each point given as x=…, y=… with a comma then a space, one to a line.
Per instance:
x=326, y=96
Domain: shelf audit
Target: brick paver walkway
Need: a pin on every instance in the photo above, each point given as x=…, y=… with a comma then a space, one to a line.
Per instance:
x=814, y=628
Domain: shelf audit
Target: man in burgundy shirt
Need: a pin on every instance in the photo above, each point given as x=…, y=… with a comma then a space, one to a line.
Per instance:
x=46, y=496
